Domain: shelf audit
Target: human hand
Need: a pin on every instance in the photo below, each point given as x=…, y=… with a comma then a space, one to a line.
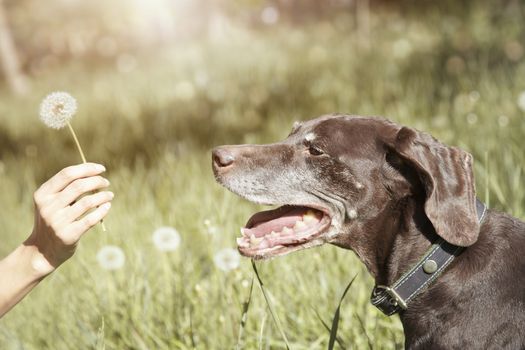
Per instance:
x=63, y=213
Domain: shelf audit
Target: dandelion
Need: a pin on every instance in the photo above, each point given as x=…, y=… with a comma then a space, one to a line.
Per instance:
x=166, y=239
x=111, y=257
x=472, y=118
x=227, y=259
x=56, y=111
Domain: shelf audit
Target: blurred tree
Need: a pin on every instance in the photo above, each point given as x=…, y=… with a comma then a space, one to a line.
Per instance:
x=10, y=63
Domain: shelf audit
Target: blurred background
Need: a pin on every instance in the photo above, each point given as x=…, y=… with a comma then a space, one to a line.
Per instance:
x=161, y=82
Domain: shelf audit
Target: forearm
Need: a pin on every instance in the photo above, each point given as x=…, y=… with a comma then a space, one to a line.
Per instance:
x=65, y=209
x=20, y=272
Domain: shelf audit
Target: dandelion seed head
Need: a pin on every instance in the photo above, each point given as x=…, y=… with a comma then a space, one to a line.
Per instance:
x=503, y=121
x=111, y=257
x=166, y=239
x=472, y=118
x=227, y=259
x=57, y=109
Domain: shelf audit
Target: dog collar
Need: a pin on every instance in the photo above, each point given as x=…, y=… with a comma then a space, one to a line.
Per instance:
x=395, y=298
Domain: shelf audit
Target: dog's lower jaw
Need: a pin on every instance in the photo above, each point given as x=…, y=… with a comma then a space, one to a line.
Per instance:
x=283, y=252
x=258, y=243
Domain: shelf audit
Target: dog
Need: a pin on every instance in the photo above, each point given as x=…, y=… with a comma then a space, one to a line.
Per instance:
x=389, y=193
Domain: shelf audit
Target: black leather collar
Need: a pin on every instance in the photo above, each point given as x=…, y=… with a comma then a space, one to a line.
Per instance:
x=395, y=298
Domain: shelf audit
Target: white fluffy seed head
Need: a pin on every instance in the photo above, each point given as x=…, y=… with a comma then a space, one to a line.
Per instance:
x=57, y=109
x=166, y=239
x=111, y=257
x=227, y=259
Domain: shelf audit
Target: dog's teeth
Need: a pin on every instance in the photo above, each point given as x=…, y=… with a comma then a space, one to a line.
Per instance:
x=254, y=241
x=310, y=212
x=287, y=231
x=274, y=234
x=310, y=217
x=263, y=244
x=299, y=225
x=241, y=242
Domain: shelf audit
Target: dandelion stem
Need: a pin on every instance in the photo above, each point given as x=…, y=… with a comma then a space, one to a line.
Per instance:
x=83, y=160
x=76, y=142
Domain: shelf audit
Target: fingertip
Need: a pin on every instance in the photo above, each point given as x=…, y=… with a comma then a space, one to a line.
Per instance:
x=104, y=210
x=99, y=167
x=94, y=166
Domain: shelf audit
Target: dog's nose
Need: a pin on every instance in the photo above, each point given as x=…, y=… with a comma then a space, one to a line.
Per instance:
x=222, y=157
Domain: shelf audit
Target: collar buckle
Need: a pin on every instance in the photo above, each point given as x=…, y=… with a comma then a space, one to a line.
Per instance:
x=396, y=299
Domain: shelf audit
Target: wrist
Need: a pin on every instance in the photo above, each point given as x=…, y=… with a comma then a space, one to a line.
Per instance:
x=38, y=262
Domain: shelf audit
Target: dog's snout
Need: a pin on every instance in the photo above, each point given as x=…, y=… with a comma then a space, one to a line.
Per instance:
x=222, y=157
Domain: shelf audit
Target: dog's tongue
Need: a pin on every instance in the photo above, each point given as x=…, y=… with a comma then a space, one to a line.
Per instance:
x=288, y=219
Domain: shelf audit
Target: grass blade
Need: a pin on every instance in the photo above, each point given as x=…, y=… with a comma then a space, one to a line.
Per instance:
x=337, y=339
x=101, y=345
x=335, y=321
x=362, y=324
x=244, y=316
x=261, y=333
x=272, y=313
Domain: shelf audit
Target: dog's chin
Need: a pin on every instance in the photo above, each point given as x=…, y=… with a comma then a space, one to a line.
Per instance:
x=287, y=229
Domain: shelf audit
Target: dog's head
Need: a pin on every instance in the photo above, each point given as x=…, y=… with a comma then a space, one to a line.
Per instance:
x=337, y=178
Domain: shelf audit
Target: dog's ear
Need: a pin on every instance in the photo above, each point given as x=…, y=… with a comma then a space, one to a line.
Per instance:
x=447, y=177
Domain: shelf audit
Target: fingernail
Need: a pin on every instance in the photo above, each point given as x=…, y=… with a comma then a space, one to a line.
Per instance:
x=107, y=182
x=100, y=167
x=106, y=206
x=111, y=195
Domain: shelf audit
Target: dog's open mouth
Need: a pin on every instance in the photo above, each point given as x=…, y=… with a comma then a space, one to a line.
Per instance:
x=282, y=230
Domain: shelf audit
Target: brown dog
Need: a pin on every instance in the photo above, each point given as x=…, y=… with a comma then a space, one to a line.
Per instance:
x=388, y=192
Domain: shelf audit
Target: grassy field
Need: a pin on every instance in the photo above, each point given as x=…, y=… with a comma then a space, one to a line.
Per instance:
x=457, y=73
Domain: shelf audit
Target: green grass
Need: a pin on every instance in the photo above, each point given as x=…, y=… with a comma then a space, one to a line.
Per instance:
x=154, y=127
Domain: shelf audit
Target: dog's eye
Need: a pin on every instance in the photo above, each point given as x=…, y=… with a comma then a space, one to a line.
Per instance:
x=314, y=150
